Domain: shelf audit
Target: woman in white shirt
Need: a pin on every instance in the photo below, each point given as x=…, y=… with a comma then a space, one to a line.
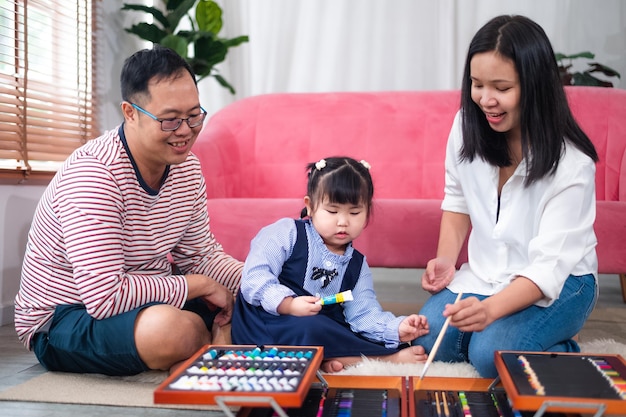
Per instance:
x=520, y=179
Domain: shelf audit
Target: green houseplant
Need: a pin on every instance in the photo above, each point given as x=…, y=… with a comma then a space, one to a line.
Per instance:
x=569, y=77
x=208, y=49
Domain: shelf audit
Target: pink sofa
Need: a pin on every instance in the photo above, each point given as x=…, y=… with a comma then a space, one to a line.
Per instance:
x=254, y=153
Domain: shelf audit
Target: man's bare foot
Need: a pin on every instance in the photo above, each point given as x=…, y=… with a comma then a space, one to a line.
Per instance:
x=331, y=366
x=175, y=367
x=220, y=335
x=411, y=354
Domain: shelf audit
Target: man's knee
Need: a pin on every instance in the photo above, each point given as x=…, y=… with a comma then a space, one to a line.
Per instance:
x=167, y=334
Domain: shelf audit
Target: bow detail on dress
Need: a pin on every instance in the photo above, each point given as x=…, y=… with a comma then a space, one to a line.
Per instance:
x=325, y=275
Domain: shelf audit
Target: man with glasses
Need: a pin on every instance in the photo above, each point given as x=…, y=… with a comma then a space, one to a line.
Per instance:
x=122, y=273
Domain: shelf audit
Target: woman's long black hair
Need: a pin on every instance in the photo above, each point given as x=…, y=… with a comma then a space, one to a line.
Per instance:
x=545, y=117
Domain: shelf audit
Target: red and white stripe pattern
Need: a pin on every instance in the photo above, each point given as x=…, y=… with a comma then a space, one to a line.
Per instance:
x=100, y=239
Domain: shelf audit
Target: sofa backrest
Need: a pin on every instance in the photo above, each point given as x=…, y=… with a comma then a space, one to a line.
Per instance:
x=258, y=147
x=601, y=113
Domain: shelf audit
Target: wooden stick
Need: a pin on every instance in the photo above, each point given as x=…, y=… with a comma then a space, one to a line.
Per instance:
x=433, y=351
x=446, y=410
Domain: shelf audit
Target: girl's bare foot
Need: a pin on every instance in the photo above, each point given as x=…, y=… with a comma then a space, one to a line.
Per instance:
x=331, y=366
x=411, y=354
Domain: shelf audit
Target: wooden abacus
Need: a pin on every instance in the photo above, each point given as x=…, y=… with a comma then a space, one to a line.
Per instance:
x=279, y=376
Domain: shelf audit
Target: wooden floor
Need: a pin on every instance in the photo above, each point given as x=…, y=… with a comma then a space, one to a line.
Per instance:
x=397, y=290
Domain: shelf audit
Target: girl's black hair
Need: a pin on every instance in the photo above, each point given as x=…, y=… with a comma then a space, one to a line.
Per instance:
x=143, y=66
x=341, y=180
x=545, y=117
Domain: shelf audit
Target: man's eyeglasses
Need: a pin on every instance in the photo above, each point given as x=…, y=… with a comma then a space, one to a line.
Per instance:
x=169, y=125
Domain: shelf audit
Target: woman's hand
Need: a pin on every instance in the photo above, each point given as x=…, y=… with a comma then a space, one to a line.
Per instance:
x=472, y=315
x=469, y=315
x=438, y=274
x=304, y=305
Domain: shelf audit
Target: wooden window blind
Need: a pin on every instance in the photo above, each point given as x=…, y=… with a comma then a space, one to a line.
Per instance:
x=47, y=83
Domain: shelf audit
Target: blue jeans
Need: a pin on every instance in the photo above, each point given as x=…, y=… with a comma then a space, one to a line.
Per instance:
x=535, y=329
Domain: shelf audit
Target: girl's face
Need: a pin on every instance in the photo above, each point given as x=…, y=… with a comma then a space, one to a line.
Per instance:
x=337, y=224
x=496, y=90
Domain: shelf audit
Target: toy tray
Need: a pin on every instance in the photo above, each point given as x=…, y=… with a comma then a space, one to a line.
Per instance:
x=569, y=381
x=456, y=397
x=344, y=395
x=243, y=374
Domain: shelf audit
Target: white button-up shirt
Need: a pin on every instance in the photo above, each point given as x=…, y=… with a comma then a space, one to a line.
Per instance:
x=543, y=232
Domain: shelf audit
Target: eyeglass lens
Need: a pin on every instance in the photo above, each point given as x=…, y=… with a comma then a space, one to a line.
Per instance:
x=173, y=124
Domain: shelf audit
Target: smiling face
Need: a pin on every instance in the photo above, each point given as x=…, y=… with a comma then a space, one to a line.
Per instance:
x=152, y=148
x=496, y=90
x=337, y=224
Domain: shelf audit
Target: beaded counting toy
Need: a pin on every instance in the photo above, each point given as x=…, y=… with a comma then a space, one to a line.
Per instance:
x=282, y=372
x=574, y=379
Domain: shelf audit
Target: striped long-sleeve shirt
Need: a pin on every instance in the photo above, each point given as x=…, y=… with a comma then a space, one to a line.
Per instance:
x=101, y=237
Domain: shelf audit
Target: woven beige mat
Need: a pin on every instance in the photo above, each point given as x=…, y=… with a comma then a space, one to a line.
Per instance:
x=69, y=388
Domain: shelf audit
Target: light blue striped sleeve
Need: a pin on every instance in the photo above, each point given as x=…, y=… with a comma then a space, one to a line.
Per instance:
x=366, y=315
x=269, y=250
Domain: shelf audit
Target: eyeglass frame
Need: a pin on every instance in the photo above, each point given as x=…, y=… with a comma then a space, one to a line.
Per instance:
x=179, y=119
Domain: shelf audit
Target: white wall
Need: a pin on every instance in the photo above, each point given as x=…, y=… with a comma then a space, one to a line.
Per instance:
x=299, y=45
x=17, y=205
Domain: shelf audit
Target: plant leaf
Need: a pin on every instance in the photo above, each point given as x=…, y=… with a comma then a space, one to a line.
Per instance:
x=181, y=11
x=224, y=83
x=559, y=56
x=597, y=67
x=209, y=51
x=173, y=4
x=209, y=16
x=585, y=54
x=589, y=80
x=177, y=43
x=156, y=13
x=147, y=31
x=229, y=43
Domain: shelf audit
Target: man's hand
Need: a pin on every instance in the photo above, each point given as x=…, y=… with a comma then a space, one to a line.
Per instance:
x=214, y=294
x=221, y=298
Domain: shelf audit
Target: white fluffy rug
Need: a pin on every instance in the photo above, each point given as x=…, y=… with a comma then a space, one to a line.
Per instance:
x=462, y=370
x=444, y=369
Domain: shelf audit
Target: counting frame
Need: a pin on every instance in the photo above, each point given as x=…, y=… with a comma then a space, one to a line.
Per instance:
x=243, y=374
x=563, y=381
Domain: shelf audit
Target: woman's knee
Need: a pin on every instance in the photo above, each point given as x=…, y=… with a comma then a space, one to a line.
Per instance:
x=484, y=364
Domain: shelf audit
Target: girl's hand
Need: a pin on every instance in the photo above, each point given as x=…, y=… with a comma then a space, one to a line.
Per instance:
x=300, y=306
x=438, y=274
x=412, y=327
x=469, y=315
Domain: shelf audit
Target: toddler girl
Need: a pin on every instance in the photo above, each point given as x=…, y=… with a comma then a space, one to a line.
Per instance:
x=293, y=264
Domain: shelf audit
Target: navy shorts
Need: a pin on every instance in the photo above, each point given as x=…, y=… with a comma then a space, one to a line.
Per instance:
x=76, y=342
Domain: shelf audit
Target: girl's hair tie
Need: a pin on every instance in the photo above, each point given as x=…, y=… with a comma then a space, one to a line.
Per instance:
x=365, y=163
x=321, y=164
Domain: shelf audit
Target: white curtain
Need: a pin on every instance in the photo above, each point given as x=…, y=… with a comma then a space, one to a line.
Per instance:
x=367, y=45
